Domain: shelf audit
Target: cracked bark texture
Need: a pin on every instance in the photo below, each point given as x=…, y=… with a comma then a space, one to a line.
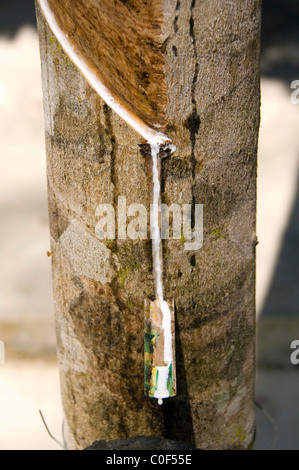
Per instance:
x=211, y=76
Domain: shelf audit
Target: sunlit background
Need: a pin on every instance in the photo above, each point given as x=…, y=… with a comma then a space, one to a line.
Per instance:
x=29, y=381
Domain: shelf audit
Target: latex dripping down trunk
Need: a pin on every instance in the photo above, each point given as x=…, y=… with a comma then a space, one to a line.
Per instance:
x=160, y=374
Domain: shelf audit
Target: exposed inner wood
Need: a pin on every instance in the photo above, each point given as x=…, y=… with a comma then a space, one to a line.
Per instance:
x=124, y=49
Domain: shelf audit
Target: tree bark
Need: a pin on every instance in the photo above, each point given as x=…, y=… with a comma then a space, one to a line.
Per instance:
x=210, y=72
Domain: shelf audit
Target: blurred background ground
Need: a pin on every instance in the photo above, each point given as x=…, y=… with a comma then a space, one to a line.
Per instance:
x=29, y=380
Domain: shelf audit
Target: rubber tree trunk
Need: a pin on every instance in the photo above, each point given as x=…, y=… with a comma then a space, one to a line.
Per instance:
x=210, y=71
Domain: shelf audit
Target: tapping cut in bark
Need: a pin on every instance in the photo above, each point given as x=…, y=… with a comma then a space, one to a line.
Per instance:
x=120, y=55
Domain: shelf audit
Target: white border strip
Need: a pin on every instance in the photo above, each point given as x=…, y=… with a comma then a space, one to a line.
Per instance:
x=150, y=135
